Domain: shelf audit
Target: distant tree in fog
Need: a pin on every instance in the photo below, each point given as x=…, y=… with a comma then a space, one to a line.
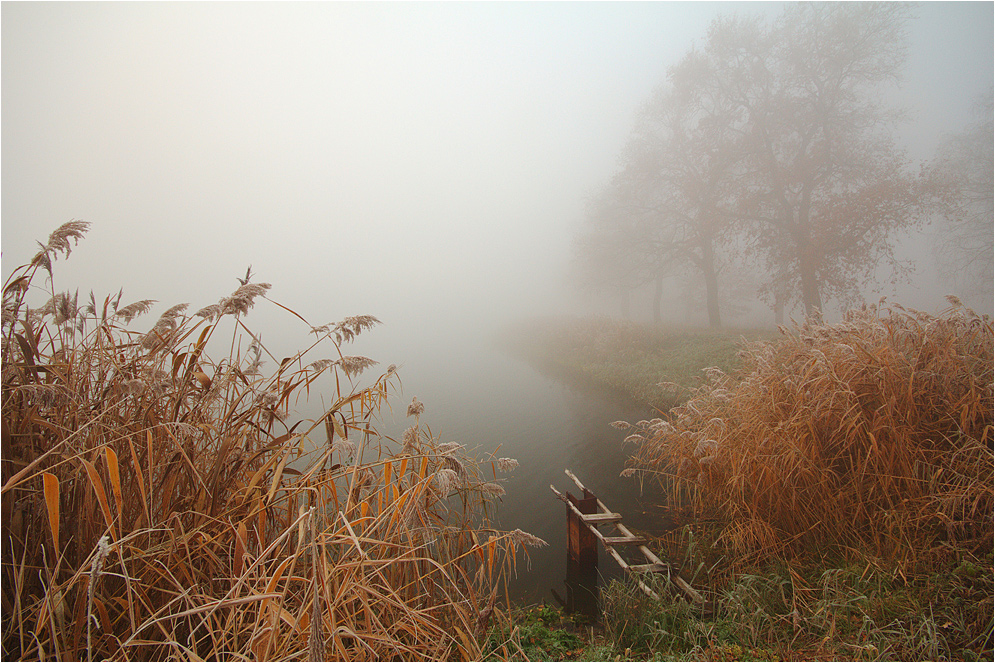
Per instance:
x=686, y=155
x=613, y=253
x=827, y=187
x=962, y=172
x=773, y=131
x=670, y=206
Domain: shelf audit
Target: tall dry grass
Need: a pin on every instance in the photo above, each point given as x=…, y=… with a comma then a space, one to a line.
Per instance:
x=159, y=503
x=874, y=433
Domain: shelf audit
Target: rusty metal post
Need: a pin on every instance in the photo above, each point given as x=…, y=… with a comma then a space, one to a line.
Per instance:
x=582, y=544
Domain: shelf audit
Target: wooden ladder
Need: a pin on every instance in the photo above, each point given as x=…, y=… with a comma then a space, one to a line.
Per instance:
x=599, y=514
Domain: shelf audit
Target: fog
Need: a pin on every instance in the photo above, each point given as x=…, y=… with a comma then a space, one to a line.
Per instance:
x=425, y=163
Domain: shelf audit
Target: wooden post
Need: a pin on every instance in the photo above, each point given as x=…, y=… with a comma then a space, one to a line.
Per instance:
x=581, y=584
x=582, y=544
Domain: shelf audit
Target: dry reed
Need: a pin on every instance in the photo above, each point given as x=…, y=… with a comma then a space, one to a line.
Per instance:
x=156, y=505
x=873, y=433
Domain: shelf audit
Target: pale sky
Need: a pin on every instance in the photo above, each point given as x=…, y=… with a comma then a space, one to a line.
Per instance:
x=417, y=162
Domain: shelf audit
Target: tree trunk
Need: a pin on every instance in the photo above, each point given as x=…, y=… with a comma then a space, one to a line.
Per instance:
x=810, y=286
x=807, y=254
x=711, y=285
x=657, y=297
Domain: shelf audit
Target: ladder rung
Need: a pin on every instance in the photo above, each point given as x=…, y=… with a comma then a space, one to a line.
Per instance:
x=647, y=568
x=624, y=540
x=602, y=517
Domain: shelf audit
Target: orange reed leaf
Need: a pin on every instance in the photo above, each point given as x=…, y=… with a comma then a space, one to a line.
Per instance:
x=260, y=473
x=52, y=502
x=273, y=631
x=203, y=379
x=260, y=522
x=239, y=549
x=115, y=474
x=98, y=488
x=275, y=580
x=141, y=482
x=178, y=360
x=277, y=476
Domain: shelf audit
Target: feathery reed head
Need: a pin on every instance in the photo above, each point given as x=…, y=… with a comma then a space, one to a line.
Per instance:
x=243, y=299
x=132, y=311
x=492, y=489
x=353, y=366
x=416, y=407
x=525, y=539
x=59, y=242
x=507, y=464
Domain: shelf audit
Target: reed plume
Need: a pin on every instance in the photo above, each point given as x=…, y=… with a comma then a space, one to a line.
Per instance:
x=416, y=407
x=59, y=242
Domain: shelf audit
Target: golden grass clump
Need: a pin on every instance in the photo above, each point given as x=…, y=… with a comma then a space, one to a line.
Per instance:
x=160, y=504
x=875, y=433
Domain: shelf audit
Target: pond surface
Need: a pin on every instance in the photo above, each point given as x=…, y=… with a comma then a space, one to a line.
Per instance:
x=487, y=399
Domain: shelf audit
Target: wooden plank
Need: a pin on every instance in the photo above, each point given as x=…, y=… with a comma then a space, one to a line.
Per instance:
x=649, y=568
x=582, y=538
x=642, y=585
x=598, y=518
x=624, y=540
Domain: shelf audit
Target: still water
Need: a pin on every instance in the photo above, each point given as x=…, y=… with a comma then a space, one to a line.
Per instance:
x=487, y=399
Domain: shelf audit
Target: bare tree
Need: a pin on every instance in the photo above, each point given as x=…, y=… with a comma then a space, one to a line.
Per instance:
x=678, y=162
x=827, y=186
x=670, y=204
x=962, y=172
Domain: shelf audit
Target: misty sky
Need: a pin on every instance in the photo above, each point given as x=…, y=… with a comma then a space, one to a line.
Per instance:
x=418, y=162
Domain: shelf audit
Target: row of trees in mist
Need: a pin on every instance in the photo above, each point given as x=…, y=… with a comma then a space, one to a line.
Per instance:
x=772, y=141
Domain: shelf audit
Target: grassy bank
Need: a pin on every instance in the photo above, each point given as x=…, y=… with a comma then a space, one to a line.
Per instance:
x=162, y=503
x=649, y=364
